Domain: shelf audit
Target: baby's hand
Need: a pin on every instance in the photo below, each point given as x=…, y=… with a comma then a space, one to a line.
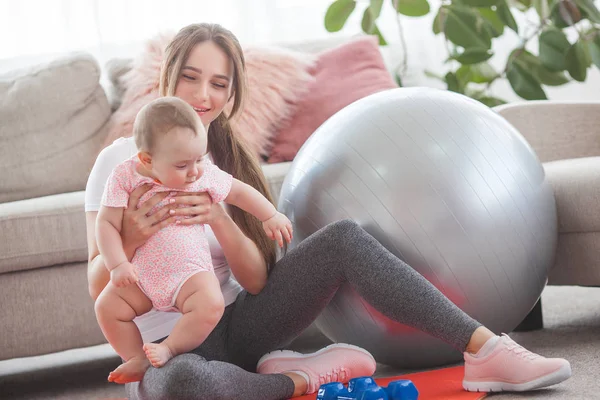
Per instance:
x=278, y=227
x=124, y=274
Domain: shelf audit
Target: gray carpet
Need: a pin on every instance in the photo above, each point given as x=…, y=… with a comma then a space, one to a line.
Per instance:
x=572, y=330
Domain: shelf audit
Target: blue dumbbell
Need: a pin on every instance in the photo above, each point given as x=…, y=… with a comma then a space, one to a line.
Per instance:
x=365, y=388
x=331, y=391
x=357, y=385
x=402, y=390
x=377, y=393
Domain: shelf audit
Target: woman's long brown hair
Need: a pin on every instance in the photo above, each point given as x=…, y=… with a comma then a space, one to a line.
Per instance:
x=228, y=151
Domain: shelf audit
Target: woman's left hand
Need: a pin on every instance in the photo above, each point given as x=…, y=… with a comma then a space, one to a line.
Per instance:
x=197, y=207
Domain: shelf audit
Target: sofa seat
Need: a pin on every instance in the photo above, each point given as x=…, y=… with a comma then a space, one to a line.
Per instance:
x=576, y=185
x=51, y=230
x=44, y=231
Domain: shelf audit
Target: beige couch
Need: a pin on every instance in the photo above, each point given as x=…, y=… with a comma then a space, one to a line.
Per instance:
x=49, y=131
x=566, y=138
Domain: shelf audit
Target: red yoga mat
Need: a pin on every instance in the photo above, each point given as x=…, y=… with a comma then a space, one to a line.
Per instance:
x=439, y=384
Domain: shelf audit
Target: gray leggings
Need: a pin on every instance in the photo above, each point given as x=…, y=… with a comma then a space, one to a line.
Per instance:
x=299, y=286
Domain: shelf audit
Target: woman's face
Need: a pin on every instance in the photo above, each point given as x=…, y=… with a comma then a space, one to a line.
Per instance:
x=206, y=81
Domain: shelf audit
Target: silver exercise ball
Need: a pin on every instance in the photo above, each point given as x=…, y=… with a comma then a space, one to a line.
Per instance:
x=448, y=186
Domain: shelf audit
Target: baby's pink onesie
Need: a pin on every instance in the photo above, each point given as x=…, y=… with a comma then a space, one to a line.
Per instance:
x=175, y=253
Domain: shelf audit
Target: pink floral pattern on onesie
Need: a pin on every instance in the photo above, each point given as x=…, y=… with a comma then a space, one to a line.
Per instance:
x=175, y=253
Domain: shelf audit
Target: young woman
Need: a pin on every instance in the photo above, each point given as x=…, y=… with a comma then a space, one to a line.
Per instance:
x=266, y=302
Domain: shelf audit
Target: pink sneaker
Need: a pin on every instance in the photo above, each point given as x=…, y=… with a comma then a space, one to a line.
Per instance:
x=511, y=367
x=334, y=363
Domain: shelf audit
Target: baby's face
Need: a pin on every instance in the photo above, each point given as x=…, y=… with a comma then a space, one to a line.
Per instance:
x=177, y=158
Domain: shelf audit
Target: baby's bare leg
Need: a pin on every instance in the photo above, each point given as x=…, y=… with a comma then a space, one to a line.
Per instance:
x=115, y=310
x=201, y=302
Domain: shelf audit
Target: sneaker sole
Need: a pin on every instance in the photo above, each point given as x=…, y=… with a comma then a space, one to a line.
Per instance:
x=289, y=354
x=552, y=378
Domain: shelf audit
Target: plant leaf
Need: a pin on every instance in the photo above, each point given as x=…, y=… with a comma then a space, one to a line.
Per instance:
x=479, y=3
x=523, y=83
x=368, y=22
x=531, y=63
x=491, y=101
x=464, y=27
x=337, y=14
x=398, y=79
x=495, y=23
x=594, y=47
x=433, y=75
x=476, y=73
x=464, y=75
x=564, y=13
x=413, y=8
x=370, y=15
x=377, y=32
x=483, y=73
x=542, y=7
x=506, y=16
x=578, y=60
x=473, y=55
x=523, y=5
x=439, y=21
x=554, y=45
x=589, y=10
x=375, y=6
x=452, y=82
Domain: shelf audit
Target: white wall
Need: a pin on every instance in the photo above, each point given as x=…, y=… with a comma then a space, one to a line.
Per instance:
x=39, y=30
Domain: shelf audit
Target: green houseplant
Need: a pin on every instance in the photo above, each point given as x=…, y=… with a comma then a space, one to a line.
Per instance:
x=470, y=27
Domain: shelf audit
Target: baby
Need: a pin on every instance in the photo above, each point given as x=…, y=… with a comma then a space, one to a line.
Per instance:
x=173, y=269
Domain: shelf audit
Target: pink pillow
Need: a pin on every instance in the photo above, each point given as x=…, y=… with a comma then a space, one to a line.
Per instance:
x=277, y=80
x=343, y=74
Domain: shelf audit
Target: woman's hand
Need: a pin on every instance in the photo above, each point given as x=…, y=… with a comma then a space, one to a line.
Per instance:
x=138, y=224
x=197, y=207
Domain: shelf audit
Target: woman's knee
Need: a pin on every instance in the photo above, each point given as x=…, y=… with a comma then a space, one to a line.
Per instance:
x=342, y=229
x=190, y=376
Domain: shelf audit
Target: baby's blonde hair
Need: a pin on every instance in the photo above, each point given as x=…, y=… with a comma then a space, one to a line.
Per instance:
x=160, y=116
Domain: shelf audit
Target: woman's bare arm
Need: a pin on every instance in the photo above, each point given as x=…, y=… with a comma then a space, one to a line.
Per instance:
x=243, y=256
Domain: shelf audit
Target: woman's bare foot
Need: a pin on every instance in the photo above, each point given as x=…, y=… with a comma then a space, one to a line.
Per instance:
x=157, y=353
x=132, y=370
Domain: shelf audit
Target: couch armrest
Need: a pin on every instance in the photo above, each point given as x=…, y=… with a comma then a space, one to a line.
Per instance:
x=42, y=231
x=557, y=130
x=275, y=174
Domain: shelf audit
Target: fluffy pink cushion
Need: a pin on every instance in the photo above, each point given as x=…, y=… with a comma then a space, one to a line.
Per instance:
x=277, y=79
x=343, y=74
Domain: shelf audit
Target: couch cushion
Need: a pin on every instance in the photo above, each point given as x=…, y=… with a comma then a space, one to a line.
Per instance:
x=576, y=184
x=557, y=130
x=53, y=117
x=344, y=74
x=42, y=231
x=46, y=311
x=51, y=230
x=277, y=79
x=275, y=175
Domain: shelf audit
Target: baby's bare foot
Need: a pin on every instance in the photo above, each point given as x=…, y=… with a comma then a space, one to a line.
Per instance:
x=131, y=371
x=157, y=354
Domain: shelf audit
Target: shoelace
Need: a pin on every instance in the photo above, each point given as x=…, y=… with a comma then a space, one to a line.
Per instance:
x=336, y=375
x=520, y=350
